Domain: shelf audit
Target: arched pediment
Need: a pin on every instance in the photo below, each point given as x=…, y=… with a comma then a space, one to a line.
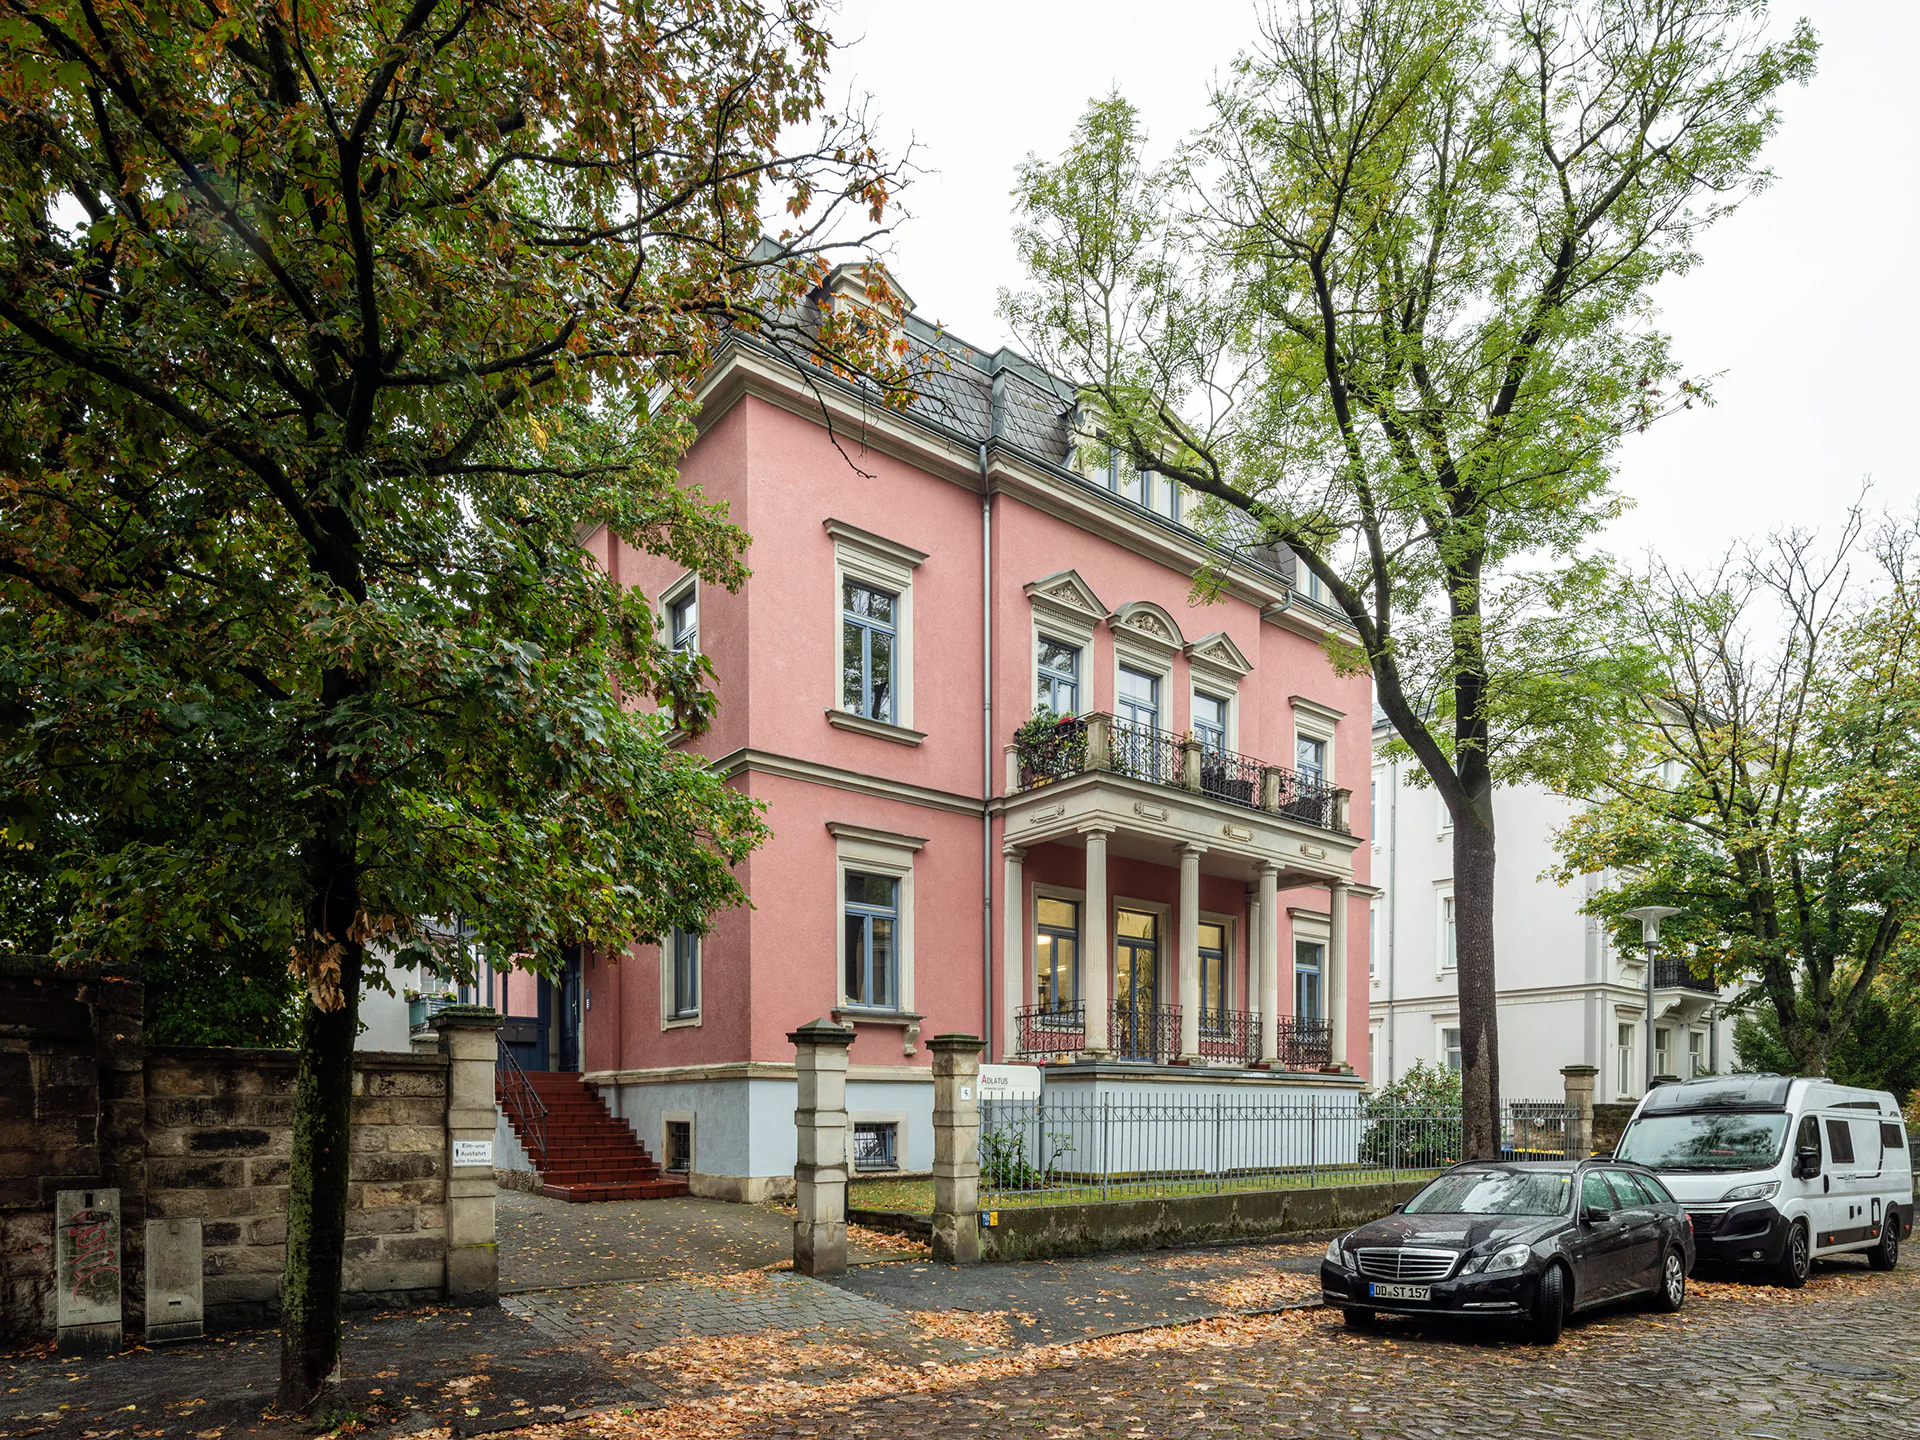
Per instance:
x=1146, y=623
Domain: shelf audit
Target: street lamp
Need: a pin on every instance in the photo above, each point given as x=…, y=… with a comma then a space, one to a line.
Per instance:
x=1650, y=917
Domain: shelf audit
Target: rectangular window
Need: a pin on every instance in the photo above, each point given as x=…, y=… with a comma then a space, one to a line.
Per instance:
x=679, y=1157
x=1213, y=976
x=1056, y=953
x=1840, y=1142
x=1696, y=1053
x=1310, y=757
x=1058, y=687
x=875, y=1144
x=1373, y=928
x=1623, y=1083
x=683, y=623
x=686, y=974
x=1450, y=1047
x=1210, y=722
x=872, y=917
x=1449, y=941
x=1306, y=980
x=1891, y=1137
x=868, y=641
x=1662, y=1050
x=1373, y=810
x=1138, y=697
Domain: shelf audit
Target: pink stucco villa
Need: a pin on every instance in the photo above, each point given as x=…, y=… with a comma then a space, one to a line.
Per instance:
x=1168, y=890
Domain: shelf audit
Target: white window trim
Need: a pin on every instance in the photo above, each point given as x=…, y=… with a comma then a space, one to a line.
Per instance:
x=1373, y=942
x=1231, y=694
x=873, y=560
x=1166, y=963
x=687, y=584
x=1067, y=632
x=1442, y=893
x=687, y=1118
x=1314, y=721
x=1038, y=891
x=874, y=852
x=669, y=1020
x=1442, y=1024
x=1443, y=821
x=1316, y=928
x=895, y=1118
x=1232, y=924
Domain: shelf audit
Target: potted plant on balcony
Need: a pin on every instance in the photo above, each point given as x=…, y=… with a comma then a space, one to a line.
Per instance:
x=1050, y=746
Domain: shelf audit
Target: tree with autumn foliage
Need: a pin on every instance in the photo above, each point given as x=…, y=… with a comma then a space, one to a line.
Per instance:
x=1767, y=781
x=327, y=332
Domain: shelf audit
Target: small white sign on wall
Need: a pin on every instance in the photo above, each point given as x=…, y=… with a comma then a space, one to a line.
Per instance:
x=472, y=1152
x=1001, y=1082
x=966, y=1092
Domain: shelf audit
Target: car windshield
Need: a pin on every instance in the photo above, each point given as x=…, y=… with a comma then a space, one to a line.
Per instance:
x=1495, y=1192
x=1719, y=1141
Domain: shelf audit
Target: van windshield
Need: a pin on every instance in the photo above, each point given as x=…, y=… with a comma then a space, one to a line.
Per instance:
x=1704, y=1142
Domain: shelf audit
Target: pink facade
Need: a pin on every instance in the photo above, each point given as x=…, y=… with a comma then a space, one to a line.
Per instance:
x=903, y=795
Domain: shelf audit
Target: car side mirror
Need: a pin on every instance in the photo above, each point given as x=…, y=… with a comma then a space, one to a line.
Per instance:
x=1596, y=1214
x=1396, y=1207
x=1806, y=1164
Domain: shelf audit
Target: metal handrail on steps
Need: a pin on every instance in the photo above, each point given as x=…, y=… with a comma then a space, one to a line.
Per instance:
x=524, y=1105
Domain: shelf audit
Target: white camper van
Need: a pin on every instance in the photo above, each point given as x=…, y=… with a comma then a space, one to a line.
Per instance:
x=1775, y=1171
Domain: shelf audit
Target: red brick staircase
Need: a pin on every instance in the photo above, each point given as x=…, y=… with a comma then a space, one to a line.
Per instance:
x=584, y=1153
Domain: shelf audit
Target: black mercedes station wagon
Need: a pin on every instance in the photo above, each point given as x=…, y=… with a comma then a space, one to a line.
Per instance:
x=1531, y=1242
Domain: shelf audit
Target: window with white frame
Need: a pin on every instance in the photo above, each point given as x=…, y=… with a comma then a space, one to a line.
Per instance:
x=1449, y=939
x=683, y=981
x=1450, y=1047
x=1624, y=1074
x=1308, y=959
x=1213, y=976
x=683, y=623
x=1662, y=1050
x=1310, y=757
x=1446, y=816
x=1696, y=1053
x=872, y=927
x=1373, y=932
x=1210, y=721
x=873, y=633
x=1057, y=683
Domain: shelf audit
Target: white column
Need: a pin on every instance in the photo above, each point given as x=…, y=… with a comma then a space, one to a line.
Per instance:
x=1013, y=950
x=1190, y=952
x=1269, y=943
x=1096, y=951
x=1337, y=972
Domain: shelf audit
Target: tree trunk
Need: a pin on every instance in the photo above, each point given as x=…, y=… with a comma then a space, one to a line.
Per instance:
x=322, y=1117
x=1474, y=974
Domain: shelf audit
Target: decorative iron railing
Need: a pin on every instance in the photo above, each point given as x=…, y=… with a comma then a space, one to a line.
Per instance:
x=1146, y=1033
x=1047, y=1030
x=522, y=1102
x=1231, y=1035
x=1305, y=1044
x=1678, y=975
x=1047, y=750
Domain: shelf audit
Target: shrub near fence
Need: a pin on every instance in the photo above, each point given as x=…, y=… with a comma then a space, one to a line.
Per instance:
x=1033, y=1151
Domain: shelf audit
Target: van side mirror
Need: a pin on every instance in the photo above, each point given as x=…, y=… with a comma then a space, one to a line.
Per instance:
x=1806, y=1164
x=1596, y=1214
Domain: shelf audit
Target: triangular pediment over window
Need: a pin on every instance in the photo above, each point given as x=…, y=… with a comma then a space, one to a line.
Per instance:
x=1218, y=654
x=1066, y=596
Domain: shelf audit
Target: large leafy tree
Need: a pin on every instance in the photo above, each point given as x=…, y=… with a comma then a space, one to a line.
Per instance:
x=327, y=331
x=1767, y=780
x=1390, y=309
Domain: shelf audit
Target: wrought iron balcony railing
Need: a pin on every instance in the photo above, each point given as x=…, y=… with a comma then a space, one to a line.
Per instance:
x=1147, y=1033
x=1230, y=1035
x=1678, y=975
x=1075, y=744
x=1305, y=1044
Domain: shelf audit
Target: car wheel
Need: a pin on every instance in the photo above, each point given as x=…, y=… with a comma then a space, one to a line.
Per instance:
x=1549, y=1306
x=1357, y=1319
x=1672, y=1293
x=1886, y=1254
x=1796, y=1261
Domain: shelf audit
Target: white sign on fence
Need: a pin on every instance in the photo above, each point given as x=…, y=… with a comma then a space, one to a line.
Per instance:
x=1006, y=1082
x=472, y=1152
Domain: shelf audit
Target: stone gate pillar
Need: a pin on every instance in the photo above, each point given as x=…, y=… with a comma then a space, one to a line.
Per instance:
x=469, y=1040
x=1579, y=1085
x=820, y=1158
x=956, y=1148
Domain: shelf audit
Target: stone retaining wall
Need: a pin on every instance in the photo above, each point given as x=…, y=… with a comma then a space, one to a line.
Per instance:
x=1048, y=1232
x=219, y=1131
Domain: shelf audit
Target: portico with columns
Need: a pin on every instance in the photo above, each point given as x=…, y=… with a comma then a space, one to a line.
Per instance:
x=1151, y=928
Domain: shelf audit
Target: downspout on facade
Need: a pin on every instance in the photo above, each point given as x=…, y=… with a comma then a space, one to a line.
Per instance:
x=986, y=752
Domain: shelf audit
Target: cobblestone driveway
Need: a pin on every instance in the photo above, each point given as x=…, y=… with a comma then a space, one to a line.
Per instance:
x=1839, y=1359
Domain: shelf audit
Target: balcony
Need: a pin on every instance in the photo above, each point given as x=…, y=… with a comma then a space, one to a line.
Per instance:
x=1678, y=975
x=1151, y=1035
x=1080, y=744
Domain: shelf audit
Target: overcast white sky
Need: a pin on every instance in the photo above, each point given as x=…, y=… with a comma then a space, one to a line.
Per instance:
x=1806, y=305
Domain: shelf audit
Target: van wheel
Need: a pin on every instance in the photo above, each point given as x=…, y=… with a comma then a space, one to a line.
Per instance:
x=1672, y=1292
x=1357, y=1319
x=1796, y=1261
x=1886, y=1254
x=1549, y=1307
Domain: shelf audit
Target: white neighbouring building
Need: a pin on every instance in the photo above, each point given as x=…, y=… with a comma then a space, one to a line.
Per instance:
x=1568, y=995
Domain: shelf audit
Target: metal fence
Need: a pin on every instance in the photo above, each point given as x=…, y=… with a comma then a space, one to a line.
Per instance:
x=1039, y=1151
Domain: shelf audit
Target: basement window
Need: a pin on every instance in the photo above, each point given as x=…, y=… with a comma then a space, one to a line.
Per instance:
x=679, y=1157
x=875, y=1144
